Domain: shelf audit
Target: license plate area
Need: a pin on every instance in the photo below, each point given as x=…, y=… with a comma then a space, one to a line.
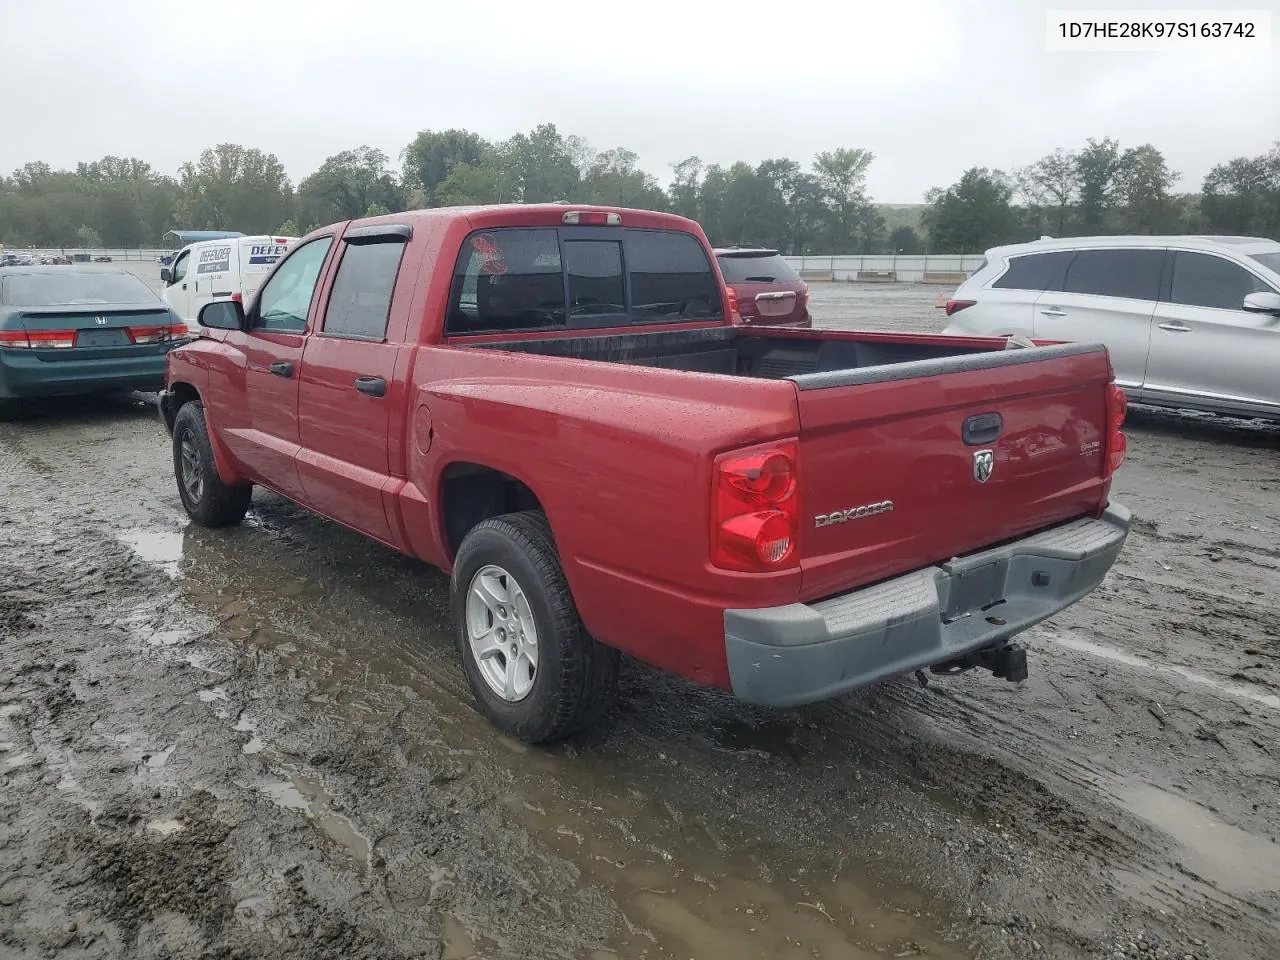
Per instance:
x=101, y=338
x=775, y=305
x=975, y=589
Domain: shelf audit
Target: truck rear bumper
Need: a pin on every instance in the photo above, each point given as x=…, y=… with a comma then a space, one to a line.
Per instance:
x=802, y=653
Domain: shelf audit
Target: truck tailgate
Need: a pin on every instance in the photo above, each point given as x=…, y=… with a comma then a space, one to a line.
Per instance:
x=912, y=464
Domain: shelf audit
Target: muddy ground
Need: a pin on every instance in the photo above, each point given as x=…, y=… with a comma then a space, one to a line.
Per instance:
x=257, y=743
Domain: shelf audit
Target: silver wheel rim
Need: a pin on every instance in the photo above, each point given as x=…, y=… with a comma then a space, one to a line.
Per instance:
x=192, y=469
x=501, y=633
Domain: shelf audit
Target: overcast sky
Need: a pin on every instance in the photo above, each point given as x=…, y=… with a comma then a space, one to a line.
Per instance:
x=932, y=87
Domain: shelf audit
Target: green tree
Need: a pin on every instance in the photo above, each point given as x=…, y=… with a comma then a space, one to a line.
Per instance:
x=231, y=187
x=685, y=187
x=614, y=179
x=346, y=185
x=87, y=237
x=288, y=229
x=972, y=214
x=1242, y=196
x=1054, y=182
x=842, y=176
x=1143, y=186
x=906, y=241
x=1098, y=169
x=433, y=154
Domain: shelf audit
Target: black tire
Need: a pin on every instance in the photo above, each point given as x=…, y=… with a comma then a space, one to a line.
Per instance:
x=210, y=503
x=576, y=679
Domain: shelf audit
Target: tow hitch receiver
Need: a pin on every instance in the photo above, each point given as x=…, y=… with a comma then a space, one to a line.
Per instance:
x=1008, y=662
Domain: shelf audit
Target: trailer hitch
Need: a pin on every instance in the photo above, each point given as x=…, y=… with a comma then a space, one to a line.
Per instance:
x=1008, y=662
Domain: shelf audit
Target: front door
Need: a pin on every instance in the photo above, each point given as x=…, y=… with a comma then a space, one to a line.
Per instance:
x=177, y=294
x=1204, y=347
x=347, y=386
x=264, y=433
x=1106, y=296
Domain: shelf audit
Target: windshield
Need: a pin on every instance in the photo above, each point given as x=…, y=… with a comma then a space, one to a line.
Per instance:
x=68, y=289
x=757, y=268
x=1269, y=260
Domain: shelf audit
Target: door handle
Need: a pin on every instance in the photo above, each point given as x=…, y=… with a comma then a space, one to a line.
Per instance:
x=282, y=368
x=184, y=286
x=1175, y=327
x=1055, y=312
x=372, y=386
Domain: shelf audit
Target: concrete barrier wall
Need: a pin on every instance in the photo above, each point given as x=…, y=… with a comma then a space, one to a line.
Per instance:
x=940, y=269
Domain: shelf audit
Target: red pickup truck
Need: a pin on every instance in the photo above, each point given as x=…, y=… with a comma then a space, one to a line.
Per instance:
x=553, y=404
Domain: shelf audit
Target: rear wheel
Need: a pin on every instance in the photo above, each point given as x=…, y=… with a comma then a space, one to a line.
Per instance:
x=207, y=500
x=534, y=670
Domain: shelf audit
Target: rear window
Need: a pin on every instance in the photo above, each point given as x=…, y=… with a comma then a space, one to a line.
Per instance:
x=64, y=288
x=1269, y=260
x=767, y=268
x=1125, y=274
x=1035, y=271
x=546, y=279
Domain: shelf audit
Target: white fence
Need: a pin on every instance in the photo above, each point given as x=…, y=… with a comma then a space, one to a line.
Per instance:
x=888, y=268
x=133, y=253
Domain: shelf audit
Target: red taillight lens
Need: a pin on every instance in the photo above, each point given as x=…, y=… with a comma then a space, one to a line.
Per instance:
x=158, y=334
x=955, y=306
x=756, y=508
x=237, y=298
x=1117, y=444
x=804, y=294
x=51, y=339
x=14, y=338
x=734, y=315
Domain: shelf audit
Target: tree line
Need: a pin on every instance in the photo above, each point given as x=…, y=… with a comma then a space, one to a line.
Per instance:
x=820, y=208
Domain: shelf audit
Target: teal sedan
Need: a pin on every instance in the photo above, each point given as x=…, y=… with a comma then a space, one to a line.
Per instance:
x=78, y=330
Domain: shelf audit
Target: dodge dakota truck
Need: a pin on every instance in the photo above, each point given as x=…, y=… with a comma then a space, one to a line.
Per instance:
x=559, y=407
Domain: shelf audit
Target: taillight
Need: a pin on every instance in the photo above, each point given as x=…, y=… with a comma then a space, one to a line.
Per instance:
x=51, y=339
x=237, y=298
x=734, y=315
x=804, y=294
x=1117, y=445
x=158, y=334
x=955, y=306
x=14, y=338
x=755, y=517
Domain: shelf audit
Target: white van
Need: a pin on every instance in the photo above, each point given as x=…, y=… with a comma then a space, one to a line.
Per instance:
x=219, y=270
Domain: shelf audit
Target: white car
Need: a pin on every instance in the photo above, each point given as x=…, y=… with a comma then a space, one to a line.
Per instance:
x=1190, y=322
x=219, y=270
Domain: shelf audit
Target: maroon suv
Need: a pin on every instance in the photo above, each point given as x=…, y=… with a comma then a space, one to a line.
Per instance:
x=767, y=289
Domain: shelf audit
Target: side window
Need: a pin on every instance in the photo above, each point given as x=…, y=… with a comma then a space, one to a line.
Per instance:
x=180, y=266
x=361, y=298
x=1203, y=280
x=1035, y=271
x=285, y=299
x=671, y=277
x=507, y=280
x=1125, y=274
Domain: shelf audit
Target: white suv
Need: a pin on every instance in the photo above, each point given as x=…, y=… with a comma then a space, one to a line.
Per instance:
x=1190, y=321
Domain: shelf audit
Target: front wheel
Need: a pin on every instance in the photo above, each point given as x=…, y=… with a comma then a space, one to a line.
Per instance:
x=534, y=670
x=207, y=500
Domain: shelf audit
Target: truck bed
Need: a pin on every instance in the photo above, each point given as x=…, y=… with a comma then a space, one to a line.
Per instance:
x=813, y=358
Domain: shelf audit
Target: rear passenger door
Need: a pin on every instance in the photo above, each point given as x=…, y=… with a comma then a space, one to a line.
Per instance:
x=1008, y=305
x=348, y=388
x=1106, y=296
x=1205, y=347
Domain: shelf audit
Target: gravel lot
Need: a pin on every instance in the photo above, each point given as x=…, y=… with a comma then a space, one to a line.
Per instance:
x=257, y=743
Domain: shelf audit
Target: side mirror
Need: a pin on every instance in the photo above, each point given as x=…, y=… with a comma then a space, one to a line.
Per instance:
x=222, y=315
x=1262, y=303
x=166, y=276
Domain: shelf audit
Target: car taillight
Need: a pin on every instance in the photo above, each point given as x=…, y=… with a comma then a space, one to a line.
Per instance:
x=734, y=315
x=14, y=338
x=955, y=306
x=1117, y=445
x=755, y=511
x=237, y=298
x=158, y=334
x=804, y=294
x=50, y=339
